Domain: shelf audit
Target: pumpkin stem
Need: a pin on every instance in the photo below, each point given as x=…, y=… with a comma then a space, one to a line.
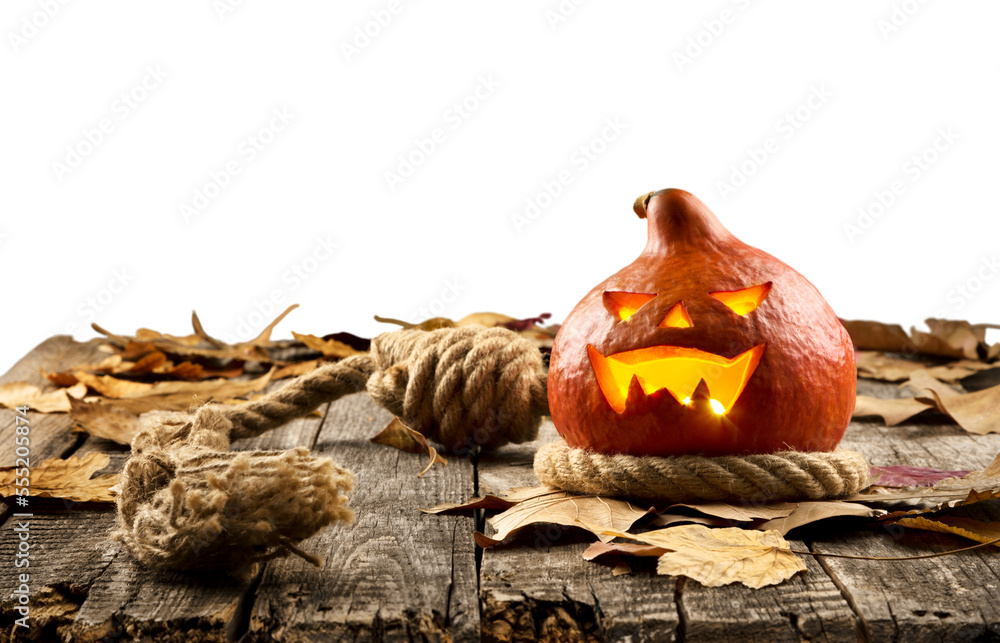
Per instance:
x=679, y=219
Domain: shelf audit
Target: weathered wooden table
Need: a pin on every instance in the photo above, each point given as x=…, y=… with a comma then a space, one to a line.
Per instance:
x=398, y=574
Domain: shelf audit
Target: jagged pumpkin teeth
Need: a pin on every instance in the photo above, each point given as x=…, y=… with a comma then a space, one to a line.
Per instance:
x=676, y=369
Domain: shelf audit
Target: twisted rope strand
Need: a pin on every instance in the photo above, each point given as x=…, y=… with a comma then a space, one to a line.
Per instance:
x=787, y=475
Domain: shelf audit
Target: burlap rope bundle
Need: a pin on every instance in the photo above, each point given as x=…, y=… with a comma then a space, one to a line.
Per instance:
x=185, y=501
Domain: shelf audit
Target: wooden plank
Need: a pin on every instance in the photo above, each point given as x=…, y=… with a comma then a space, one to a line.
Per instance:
x=947, y=598
x=542, y=588
x=395, y=574
x=50, y=432
x=808, y=607
x=63, y=564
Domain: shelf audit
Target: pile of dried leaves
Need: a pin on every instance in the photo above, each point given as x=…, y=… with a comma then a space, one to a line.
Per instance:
x=935, y=369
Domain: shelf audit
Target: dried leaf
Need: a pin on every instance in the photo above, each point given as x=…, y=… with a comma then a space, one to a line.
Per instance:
x=104, y=420
x=892, y=411
x=716, y=557
x=621, y=569
x=362, y=344
x=879, y=366
x=740, y=513
x=490, y=501
x=62, y=380
x=947, y=338
x=14, y=394
x=976, y=486
x=148, y=335
x=906, y=476
x=69, y=479
x=484, y=319
x=328, y=347
x=809, y=512
x=957, y=335
x=593, y=513
x=433, y=323
x=667, y=519
x=296, y=369
x=599, y=549
x=265, y=335
x=398, y=435
x=977, y=530
x=959, y=370
x=200, y=331
x=219, y=389
x=977, y=412
x=531, y=323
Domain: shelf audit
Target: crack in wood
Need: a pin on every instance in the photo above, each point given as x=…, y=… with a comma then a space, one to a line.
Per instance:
x=863, y=630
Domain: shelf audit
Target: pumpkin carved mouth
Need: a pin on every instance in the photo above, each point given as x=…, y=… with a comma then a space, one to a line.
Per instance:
x=678, y=369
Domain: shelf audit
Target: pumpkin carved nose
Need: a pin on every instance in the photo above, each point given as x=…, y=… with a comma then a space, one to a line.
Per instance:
x=677, y=317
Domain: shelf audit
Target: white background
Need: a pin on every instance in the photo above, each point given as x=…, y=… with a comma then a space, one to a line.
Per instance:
x=697, y=86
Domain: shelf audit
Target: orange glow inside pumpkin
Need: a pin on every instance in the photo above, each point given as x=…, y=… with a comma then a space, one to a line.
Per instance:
x=677, y=317
x=625, y=304
x=677, y=369
x=743, y=301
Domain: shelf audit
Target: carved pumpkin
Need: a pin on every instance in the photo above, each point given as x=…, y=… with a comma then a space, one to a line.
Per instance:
x=703, y=345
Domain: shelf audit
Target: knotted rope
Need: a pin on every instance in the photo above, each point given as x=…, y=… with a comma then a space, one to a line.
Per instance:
x=186, y=502
x=786, y=475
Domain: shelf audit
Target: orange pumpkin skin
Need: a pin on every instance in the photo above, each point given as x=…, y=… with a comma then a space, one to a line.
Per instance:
x=801, y=395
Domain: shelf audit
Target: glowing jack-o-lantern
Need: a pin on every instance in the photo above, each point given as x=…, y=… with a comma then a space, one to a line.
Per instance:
x=702, y=345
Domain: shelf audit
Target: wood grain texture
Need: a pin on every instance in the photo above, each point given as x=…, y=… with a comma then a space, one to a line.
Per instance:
x=949, y=598
x=540, y=588
x=808, y=607
x=395, y=575
x=50, y=432
x=69, y=552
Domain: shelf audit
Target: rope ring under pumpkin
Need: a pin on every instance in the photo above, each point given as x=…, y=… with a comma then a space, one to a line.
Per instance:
x=786, y=475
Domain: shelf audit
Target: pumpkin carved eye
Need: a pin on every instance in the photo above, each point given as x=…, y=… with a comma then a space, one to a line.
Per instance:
x=745, y=301
x=625, y=304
